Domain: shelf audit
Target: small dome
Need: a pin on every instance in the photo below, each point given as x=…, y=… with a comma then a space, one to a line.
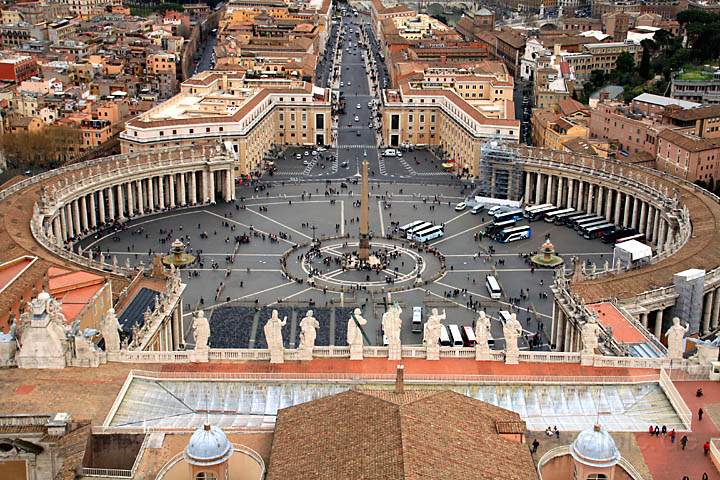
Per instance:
x=595, y=447
x=208, y=446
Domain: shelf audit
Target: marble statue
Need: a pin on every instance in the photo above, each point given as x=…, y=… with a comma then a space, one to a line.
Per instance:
x=273, y=336
x=308, y=332
x=431, y=334
x=201, y=329
x=511, y=331
x=482, y=335
x=8, y=346
x=675, y=339
x=110, y=329
x=392, y=325
x=354, y=334
x=43, y=340
x=590, y=334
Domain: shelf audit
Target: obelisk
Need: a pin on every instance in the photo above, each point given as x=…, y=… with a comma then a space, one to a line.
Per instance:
x=364, y=240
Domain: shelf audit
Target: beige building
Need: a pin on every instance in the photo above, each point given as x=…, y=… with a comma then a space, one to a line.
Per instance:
x=249, y=115
x=454, y=109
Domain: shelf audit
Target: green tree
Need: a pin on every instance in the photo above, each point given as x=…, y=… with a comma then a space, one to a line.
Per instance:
x=648, y=47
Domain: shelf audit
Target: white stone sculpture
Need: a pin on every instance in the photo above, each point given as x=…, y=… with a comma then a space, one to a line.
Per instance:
x=676, y=339
x=110, y=329
x=590, y=334
x=8, y=346
x=392, y=325
x=44, y=343
x=482, y=335
x=511, y=331
x=201, y=329
x=308, y=332
x=431, y=334
x=354, y=334
x=273, y=337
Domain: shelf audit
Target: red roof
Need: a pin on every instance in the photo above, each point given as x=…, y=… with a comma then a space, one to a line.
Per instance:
x=622, y=329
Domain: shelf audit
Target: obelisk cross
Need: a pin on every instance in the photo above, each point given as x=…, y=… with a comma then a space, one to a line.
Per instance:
x=364, y=239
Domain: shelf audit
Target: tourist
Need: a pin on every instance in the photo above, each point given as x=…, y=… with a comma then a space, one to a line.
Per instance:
x=700, y=413
x=699, y=392
x=557, y=432
x=706, y=447
x=705, y=476
x=683, y=441
x=672, y=436
x=657, y=431
x=535, y=445
x=651, y=430
x=664, y=430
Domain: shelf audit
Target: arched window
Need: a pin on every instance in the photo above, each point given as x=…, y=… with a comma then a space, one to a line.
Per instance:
x=205, y=476
x=597, y=476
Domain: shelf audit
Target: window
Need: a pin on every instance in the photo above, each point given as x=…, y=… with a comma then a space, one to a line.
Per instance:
x=205, y=476
x=597, y=476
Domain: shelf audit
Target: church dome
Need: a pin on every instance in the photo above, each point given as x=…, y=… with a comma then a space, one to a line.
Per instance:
x=208, y=446
x=595, y=447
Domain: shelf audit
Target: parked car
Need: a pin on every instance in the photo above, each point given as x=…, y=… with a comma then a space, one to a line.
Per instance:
x=459, y=207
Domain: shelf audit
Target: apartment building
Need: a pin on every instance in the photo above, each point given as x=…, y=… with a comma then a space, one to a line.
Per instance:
x=696, y=85
x=553, y=128
x=16, y=68
x=453, y=109
x=252, y=115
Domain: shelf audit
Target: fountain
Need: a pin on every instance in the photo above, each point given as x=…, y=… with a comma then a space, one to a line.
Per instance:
x=178, y=256
x=547, y=257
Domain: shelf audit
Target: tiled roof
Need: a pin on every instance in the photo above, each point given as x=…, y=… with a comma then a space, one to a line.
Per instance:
x=690, y=114
x=689, y=143
x=384, y=435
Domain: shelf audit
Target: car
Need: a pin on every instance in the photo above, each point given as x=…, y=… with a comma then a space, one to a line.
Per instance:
x=447, y=165
x=345, y=165
x=357, y=133
x=314, y=153
x=342, y=84
x=370, y=104
x=307, y=153
x=477, y=209
x=399, y=153
x=321, y=149
x=358, y=106
x=305, y=162
x=349, y=83
x=298, y=156
x=459, y=207
x=357, y=119
x=390, y=152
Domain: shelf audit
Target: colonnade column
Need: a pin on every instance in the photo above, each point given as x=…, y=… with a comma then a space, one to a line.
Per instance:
x=151, y=194
x=141, y=197
x=229, y=185
x=715, y=310
x=599, y=200
x=538, y=184
x=121, y=202
x=658, y=323
x=193, y=189
x=57, y=230
x=63, y=224
x=161, y=191
x=183, y=198
x=643, y=217
x=69, y=220
x=527, y=187
x=656, y=225
x=608, y=203
x=211, y=186
x=616, y=219
x=644, y=319
x=589, y=202
x=93, y=214
x=76, y=217
x=636, y=207
x=84, y=213
x=111, y=203
x=580, y=197
x=707, y=311
x=559, y=202
x=171, y=189
x=548, y=192
x=130, y=199
x=101, y=205
x=571, y=193
x=626, y=211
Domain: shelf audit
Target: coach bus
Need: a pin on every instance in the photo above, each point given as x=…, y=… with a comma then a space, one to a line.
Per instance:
x=540, y=213
x=444, y=337
x=598, y=230
x=550, y=217
x=511, y=215
x=619, y=233
x=531, y=208
x=493, y=287
x=564, y=220
x=435, y=231
x=579, y=218
x=640, y=237
x=456, y=336
x=420, y=226
x=595, y=220
x=404, y=229
x=504, y=316
x=512, y=234
x=493, y=228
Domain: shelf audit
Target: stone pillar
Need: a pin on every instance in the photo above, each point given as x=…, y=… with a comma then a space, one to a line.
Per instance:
x=656, y=225
x=211, y=186
x=548, y=190
x=658, y=323
x=635, y=211
x=643, y=217
x=559, y=196
x=580, y=197
x=644, y=319
x=111, y=203
x=590, y=204
x=57, y=231
x=76, y=217
x=141, y=197
x=130, y=199
x=616, y=218
x=707, y=311
x=599, y=200
x=608, y=204
x=626, y=210
x=121, y=202
x=161, y=191
x=152, y=205
x=715, y=310
x=84, y=213
x=527, y=188
x=566, y=336
x=101, y=205
x=538, y=187
x=193, y=189
x=183, y=199
x=229, y=184
x=69, y=220
x=571, y=193
x=93, y=213
x=171, y=189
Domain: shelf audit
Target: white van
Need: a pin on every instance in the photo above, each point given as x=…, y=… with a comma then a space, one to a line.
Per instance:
x=493, y=287
x=390, y=152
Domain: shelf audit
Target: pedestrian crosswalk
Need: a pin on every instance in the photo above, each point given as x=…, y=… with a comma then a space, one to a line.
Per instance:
x=407, y=166
x=340, y=147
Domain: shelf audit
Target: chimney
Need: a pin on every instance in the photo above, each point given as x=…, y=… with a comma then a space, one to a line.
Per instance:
x=399, y=379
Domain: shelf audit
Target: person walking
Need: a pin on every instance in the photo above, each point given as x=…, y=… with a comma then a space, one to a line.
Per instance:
x=535, y=445
x=706, y=447
x=663, y=430
x=701, y=412
x=705, y=476
x=683, y=441
x=657, y=431
x=672, y=436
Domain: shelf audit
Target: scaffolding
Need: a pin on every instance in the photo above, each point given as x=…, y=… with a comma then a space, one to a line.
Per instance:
x=500, y=171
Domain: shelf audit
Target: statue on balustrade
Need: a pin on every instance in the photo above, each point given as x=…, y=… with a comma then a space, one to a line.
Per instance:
x=392, y=325
x=201, y=329
x=110, y=330
x=273, y=337
x=308, y=333
x=431, y=334
x=512, y=329
x=482, y=335
x=676, y=339
x=590, y=334
x=355, y=334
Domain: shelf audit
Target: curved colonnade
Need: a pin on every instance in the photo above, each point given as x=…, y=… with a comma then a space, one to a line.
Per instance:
x=679, y=219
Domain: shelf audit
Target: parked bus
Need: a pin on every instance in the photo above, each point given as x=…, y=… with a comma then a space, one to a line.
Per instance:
x=551, y=216
x=417, y=228
x=579, y=218
x=531, y=208
x=598, y=231
x=560, y=218
x=455, y=336
x=417, y=320
x=444, y=337
x=596, y=220
x=493, y=287
x=404, y=229
x=508, y=235
x=504, y=316
x=564, y=220
x=436, y=231
x=493, y=228
x=619, y=233
x=468, y=336
x=640, y=237
x=511, y=215
x=541, y=212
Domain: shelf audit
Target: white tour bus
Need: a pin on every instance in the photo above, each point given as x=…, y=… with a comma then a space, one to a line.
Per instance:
x=417, y=228
x=551, y=216
x=404, y=229
x=504, y=316
x=540, y=213
x=531, y=208
x=493, y=287
x=436, y=231
x=512, y=234
x=444, y=337
x=417, y=320
x=456, y=336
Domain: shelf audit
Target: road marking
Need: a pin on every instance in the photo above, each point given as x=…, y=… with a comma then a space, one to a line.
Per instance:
x=94, y=242
x=246, y=226
x=226, y=254
x=509, y=305
x=382, y=222
x=459, y=233
x=293, y=295
x=249, y=295
x=342, y=217
x=278, y=223
x=457, y=216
